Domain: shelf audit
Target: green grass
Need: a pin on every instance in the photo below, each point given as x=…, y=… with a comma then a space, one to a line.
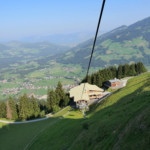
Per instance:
x=125, y=49
x=9, y=85
x=36, y=74
x=106, y=122
x=20, y=135
x=53, y=82
x=119, y=122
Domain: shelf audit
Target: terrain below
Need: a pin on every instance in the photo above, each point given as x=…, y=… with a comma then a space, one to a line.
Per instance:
x=121, y=121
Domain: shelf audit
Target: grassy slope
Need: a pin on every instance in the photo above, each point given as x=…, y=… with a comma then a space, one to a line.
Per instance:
x=119, y=122
x=19, y=136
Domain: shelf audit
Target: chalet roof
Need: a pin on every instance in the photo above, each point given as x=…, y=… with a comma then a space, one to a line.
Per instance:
x=77, y=91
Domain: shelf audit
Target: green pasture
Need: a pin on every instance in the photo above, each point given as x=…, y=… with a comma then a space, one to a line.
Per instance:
x=53, y=82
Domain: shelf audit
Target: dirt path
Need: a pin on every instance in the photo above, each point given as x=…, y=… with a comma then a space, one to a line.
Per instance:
x=30, y=121
x=21, y=122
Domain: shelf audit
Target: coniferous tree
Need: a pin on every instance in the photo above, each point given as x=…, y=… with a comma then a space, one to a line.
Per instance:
x=120, y=71
x=49, y=107
x=113, y=71
x=24, y=106
x=132, y=71
x=11, y=109
x=98, y=80
x=110, y=75
x=143, y=68
x=140, y=68
x=35, y=107
x=59, y=93
x=125, y=70
x=2, y=110
x=31, y=110
x=102, y=76
x=54, y=103
x=106, y=74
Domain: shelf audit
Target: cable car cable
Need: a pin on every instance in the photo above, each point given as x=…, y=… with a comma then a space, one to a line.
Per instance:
x=98, y=25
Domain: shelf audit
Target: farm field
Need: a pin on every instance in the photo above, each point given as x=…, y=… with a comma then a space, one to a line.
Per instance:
x=38, y=80
x=120, y=121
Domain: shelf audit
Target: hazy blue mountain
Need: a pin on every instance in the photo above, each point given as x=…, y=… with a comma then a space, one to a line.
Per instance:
x=70, y=39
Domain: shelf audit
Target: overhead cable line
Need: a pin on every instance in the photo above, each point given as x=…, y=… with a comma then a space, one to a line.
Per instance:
x=98, y=25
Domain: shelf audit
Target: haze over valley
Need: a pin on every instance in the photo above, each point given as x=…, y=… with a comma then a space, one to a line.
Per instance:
x=34, y=67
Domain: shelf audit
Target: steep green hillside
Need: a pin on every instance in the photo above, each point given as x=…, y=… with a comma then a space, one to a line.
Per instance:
x=119, y=122
x=124, y=44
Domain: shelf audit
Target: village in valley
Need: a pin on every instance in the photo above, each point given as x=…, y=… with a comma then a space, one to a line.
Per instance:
x=37, y=82
x=29, y=85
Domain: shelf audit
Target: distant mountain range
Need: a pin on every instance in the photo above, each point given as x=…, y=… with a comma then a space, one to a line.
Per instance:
x=124, y=44
x=69, y=39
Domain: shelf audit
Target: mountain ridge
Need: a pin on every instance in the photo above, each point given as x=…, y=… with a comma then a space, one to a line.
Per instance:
x=121, y=45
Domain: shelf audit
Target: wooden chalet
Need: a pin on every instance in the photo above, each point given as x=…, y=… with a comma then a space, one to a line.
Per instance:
x=90, y=92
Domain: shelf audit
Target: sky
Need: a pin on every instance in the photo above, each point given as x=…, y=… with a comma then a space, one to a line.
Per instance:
x=23, y=18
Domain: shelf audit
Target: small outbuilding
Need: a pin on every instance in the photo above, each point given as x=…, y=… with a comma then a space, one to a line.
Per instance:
x=112, y=83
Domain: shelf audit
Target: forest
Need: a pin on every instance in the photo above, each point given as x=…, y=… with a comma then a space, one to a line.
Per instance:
x=112, y=72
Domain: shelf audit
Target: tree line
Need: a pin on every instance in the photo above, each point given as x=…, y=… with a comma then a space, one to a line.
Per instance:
x=26, y=108
x=29, y=108
x=57, y=98
x=112, y=72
